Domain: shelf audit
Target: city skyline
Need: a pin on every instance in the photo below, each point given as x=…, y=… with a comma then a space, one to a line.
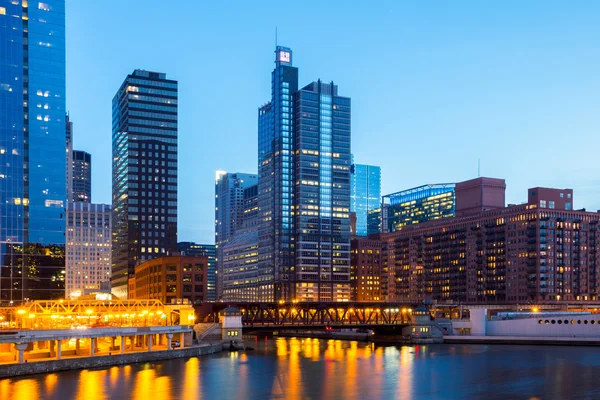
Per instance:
x=530, y=53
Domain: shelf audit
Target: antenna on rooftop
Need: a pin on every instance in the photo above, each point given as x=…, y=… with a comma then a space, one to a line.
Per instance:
x=275, y=35
x=478, y=167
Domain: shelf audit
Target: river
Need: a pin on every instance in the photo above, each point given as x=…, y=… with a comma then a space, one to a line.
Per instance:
x=331, y=369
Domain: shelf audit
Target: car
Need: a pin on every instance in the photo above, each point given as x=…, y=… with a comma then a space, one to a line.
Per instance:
x=175, y=343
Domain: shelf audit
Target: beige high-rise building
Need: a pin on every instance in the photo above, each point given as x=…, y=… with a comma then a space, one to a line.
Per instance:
x=88, y=258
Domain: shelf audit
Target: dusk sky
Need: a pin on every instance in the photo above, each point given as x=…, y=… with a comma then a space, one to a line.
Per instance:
x=434, y=86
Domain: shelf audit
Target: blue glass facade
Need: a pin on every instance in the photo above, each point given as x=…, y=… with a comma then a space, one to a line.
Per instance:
x=32, y=149
x=365, y=195
x=304, y=189
x=275, y=183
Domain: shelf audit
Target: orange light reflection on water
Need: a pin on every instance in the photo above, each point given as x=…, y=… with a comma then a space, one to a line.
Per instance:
x=49, y=384
x=91, y=385
x=25, y=389
x=191, y=379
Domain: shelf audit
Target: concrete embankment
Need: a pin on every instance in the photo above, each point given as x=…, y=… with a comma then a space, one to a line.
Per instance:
x=41, y=367
x=525, y=340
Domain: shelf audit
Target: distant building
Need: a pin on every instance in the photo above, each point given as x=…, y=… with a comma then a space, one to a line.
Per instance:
x=365, y=194
x=479, y=194
x=304, y=188
x=81, y=184
x=69, y=157
x=421, y=204
x=241, y=280
x=523, y=254
x=366, y=269
x=231, y=210
x=250, y=216
x=192, y=249
x=88, y=259
x=374, y=221
x=144, y=170
x=170, y=278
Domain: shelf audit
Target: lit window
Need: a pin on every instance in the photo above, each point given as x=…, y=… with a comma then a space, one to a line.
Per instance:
x=43, y=6
x=2, y=11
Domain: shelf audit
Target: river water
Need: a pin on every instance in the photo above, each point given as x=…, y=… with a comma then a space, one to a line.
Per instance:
x=288, y=368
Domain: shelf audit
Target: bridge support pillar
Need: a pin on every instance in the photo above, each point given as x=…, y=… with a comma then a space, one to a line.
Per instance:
x=169, y=339
x=21, y=349
x=122, y=344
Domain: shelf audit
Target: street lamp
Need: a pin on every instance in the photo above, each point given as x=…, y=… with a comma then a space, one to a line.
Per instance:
x=89, y=313
x=21, y=312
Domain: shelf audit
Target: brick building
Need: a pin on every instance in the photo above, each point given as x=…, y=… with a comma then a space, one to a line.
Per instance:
x=169, y=278
x=365, y=269
x=539, y=252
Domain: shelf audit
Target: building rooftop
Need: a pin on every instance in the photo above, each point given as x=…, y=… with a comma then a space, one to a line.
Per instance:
x=417, y=193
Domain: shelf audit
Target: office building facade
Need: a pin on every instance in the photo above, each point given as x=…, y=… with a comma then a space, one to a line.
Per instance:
x=241, y=281
x=209, y=251
x=365, y=195
x=304, y=188
x=230, y=202
x=69, y=157
x=230, y=212
x=170, y=278
x=32, y=150
x=89, y=243
x=144, y=170
x=417, y=205
x=366, y=269
x=523, y=254
x=81, y=184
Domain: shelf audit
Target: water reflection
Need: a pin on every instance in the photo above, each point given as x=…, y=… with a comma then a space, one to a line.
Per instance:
x=309, y=368
x=91, y=385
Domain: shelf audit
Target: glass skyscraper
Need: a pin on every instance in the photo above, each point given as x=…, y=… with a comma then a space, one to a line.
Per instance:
x=421, y=204
x=229, y=212
x=365, y=195
x=81, y=185
x=144, y=185
x=32, y=150
x=304, y=189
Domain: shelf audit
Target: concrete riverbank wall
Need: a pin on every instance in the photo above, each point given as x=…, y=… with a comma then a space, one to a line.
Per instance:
x=42, y=367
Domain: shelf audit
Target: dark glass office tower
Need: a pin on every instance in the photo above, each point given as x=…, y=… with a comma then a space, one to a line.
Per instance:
x=32, y=150
x=81, y=185
x=144, y=173
x=276, y=181
x=304, y=189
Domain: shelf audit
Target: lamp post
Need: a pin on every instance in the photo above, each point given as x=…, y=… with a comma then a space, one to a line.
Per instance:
x=21, y=313
x=89, y=313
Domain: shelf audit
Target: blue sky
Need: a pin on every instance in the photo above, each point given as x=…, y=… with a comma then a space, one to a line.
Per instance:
x=434, y=86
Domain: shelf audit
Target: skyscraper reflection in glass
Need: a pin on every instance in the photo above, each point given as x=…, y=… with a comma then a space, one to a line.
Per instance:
x=32, y=150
